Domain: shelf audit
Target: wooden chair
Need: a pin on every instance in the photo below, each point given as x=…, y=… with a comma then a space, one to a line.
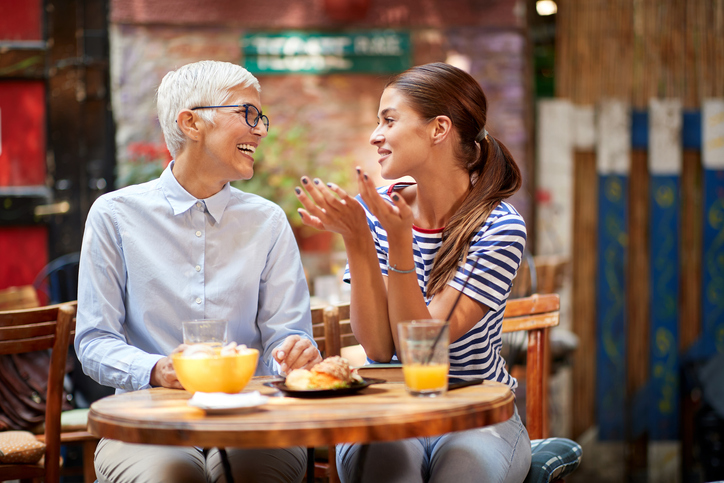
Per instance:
x=25, y=297
x=31, y=330
x=536, y=315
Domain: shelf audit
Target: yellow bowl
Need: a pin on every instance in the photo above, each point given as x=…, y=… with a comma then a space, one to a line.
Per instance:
x=229, y=374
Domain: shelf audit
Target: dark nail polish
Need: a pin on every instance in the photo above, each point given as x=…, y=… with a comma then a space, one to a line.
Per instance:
x=316, y=181
x=365, y=176
x=298, y=191
x=358, y=170
x=305, y=180
x=396, y=197
x=301, y=215
x=329, y=185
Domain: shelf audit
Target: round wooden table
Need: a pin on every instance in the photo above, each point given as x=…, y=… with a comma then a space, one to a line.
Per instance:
x=381, y=412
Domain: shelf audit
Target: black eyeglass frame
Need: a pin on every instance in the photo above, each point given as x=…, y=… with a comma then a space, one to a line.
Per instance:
x=259, y=115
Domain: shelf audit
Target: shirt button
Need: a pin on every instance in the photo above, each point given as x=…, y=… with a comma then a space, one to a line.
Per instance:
x=198, y=233
x=198, y=268
x=199, y=204
x=198, y=300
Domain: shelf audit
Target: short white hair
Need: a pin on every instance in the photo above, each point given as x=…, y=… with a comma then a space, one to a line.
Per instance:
x=205, y=83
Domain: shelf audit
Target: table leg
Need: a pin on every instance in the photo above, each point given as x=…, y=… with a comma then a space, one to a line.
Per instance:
x=227, y=466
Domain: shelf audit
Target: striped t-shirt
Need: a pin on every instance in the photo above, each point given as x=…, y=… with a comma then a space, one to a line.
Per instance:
x=496, y=252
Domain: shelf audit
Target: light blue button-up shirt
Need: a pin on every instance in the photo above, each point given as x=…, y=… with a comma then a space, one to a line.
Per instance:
x=153, y=256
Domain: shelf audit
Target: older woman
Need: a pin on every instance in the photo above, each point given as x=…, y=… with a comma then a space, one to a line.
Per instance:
x=189, y=246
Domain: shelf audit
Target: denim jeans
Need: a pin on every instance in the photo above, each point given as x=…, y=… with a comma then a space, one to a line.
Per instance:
x=495, y=454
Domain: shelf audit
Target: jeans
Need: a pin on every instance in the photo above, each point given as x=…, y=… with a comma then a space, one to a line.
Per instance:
x=496, y=454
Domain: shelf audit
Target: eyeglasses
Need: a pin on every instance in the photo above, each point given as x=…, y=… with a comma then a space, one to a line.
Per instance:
x=249, y=111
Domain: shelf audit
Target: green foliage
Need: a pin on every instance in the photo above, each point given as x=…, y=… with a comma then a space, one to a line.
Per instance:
x=283, y=157
x=146, y=161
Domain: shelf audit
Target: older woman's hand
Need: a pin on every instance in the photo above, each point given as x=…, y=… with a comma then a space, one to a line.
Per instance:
x=296, y=352
x=164, y=375
x=329, y=207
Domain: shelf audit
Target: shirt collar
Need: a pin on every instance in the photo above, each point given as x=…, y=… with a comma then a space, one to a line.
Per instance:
x=181, y=200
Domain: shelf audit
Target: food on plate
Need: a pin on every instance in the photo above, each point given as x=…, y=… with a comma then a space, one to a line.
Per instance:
x=331, y=373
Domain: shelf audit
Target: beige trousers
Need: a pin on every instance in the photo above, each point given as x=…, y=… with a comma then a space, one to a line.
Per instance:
x=118, y=462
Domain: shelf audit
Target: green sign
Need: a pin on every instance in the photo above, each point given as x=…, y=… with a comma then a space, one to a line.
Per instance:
x=373, y=52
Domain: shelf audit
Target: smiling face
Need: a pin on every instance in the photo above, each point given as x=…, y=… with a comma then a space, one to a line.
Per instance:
x=402, y=137
x=228, y=146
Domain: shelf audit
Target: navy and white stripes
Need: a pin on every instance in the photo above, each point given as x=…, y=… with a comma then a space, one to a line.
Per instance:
x=498, y=246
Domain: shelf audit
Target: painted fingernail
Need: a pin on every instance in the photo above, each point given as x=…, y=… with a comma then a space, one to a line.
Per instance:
x=316, y=181
x=365, y=176
x=358, y=170
x=329, y=185
x=396, y=197
x=305, y=180
x=301, y=215
x=298, y=191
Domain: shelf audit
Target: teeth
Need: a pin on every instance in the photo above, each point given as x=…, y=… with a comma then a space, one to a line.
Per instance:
x=246, y=147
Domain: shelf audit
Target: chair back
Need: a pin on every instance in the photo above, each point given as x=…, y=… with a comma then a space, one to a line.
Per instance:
x=331, y=329
x=37, y=329
x=535, y=315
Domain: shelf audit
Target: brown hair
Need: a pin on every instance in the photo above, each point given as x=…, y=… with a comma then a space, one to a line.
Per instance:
x=440, y=89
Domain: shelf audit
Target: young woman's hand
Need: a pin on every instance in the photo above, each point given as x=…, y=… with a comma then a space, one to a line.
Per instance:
x=395, y=218
x=329, y=207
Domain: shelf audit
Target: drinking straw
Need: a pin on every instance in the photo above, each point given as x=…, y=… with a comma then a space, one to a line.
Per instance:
x=447, y=319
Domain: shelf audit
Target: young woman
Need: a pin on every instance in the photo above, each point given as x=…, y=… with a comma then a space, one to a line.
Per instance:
x=410, y=248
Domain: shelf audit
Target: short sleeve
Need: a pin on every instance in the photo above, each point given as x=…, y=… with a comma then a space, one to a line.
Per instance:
x=493, y=258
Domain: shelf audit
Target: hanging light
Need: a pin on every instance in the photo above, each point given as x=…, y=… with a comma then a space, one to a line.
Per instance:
x=546, y=7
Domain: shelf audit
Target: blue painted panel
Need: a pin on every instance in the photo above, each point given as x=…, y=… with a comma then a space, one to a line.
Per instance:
x=691, y=130
x=639, y=129
x=611, y=321
x=712, y=265
x=665, y=224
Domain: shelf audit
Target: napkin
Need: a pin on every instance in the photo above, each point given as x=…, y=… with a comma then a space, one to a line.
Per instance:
x=221, y=400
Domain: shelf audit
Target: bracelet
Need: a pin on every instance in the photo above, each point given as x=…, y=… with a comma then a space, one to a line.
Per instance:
x=394, y=268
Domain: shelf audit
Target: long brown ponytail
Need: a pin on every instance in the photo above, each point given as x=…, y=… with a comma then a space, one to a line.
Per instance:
x=440, y=89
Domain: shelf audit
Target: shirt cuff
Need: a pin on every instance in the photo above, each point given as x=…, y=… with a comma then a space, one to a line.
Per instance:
x=143, y=366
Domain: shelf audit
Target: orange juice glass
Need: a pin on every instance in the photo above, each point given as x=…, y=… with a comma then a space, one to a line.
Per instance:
x=425, y=356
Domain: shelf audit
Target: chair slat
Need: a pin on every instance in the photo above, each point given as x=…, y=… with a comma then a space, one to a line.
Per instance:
x=10, y=318
x=318, y=330
x=27, y=331
x=348, y=340
x=514, y=324
x=535, y=304
x=318, y=315
x=27, y=345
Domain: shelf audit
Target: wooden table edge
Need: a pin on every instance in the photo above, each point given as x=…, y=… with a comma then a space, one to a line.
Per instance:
x=358, y=430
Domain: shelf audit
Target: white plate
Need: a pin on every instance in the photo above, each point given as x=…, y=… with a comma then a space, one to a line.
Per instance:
x=221, y=403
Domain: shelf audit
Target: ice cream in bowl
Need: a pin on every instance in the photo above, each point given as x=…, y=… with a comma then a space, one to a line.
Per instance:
x=204, y=368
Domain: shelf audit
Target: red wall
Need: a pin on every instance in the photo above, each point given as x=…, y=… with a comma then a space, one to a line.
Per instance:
x=23, y=254
x=22, y=133
x=21, y=20
x=23, y=249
